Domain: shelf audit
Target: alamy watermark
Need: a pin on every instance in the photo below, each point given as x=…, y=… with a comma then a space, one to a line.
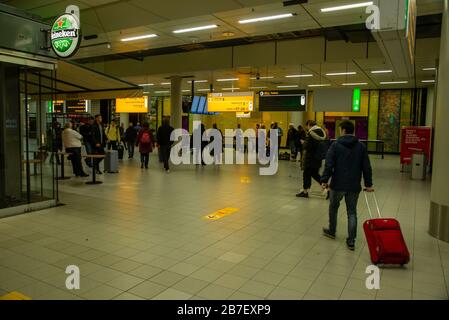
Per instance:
x=73, y=280
x=185, y=152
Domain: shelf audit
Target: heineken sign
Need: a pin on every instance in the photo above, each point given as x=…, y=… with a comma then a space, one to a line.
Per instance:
x=65, y=35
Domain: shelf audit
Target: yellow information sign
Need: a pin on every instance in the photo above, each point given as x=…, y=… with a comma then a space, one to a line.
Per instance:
x=221, y=213
x=230, y=102
x=131, y=105
x=15, y=296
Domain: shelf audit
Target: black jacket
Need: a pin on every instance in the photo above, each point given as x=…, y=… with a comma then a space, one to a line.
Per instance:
x=86, y=132
x=96, y=135
x=346, y=161
x=131, y=135
x=311, y=147
x=163, y=135
x=292, y=135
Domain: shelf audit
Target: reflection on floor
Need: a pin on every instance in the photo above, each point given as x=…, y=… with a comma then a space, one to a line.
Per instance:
x=142, y=235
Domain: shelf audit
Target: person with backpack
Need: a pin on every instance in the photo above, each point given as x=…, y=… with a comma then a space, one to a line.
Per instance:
x=145, y=142
x=312, y=157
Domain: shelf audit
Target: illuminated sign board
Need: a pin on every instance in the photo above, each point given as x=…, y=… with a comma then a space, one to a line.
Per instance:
x=356, y=101
x=283, y=100
x=55, y=107
x=230, y=102
x=76, y=106
x=131, y=105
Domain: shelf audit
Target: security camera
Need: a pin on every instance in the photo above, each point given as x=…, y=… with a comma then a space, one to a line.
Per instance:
x=258, y=76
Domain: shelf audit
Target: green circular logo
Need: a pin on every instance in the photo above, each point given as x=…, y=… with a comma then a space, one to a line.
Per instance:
x=65, y=35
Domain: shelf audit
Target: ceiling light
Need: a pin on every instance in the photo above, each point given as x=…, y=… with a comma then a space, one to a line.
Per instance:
x=165, y=83
x=268, y=18
x=347, y=6
x=230, y=79
x=428, y=81
x=299, y=76
x=140, y=37
x=145, y=92
x=289, y=86
x=256, y=88
x=261, y=78
x=319, y=85
x=394, y=82
x=185, y=90
x=381, y=71
x=161, y=91
x=212, y=26
x=230, y=89
x=355, y=84
x=341, y=73
x=197, y=81
x=429, y=69
x=146, y=84
x=203, y=90
x=228, y=34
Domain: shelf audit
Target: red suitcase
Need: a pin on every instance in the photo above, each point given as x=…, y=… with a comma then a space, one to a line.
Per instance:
x=385, y=240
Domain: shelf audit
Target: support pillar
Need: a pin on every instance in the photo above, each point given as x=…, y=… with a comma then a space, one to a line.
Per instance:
x=176, y=102
x=439, y=201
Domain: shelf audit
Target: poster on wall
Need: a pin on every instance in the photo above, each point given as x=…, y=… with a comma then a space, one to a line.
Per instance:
x=389, y=119
x=415, y=140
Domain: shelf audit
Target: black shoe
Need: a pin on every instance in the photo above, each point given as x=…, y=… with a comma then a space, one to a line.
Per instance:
x=141, y=166
x=328, y=234
x=350, y=244
x=146, y=167
x=302, y=194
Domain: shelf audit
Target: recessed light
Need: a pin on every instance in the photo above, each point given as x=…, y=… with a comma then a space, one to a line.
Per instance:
x=146, y=84
x=428, y=81
x=230, y=79
x=319, y=85
x=341, y=73
x=197, y=81
x=165, y=83
x=267, y=18
x=230, y=88
x=394, y=82
x=228, y=34
x=203, y=90
x=429, y=69
x=289, y=86
x=355, y=84
x=211, y=26
x=145, y=92
x=381, y=71
x=261, y=78
x=161, y=91
x=146, y=36
x=185, y=90
x=299, y=76
x=347, y=6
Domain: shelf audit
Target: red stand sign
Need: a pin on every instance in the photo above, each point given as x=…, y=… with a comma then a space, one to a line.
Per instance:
x=415, y=140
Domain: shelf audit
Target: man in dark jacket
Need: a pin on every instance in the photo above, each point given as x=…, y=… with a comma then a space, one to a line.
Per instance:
x=86, y=132
x=346, y=161
x=98, y=136
x=164, y=142
x=131, y=139
x=292, y=138
x=312, y=157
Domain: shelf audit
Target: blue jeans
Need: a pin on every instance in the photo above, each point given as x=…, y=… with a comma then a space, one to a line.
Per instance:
x=89, y=150
x=351, y=199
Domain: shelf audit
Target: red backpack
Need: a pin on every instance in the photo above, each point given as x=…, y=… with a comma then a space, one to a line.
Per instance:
x=146, y=138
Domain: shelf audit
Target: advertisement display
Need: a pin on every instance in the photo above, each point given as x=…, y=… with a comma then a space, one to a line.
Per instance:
x=283, y=100
x=131, y=105
x=415, y=140
x=66, y=35
x=76, y=106
x=230, y=102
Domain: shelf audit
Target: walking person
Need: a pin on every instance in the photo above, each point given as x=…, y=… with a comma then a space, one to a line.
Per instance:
x=292, y=138
x=98, y=137
x=302, y=135
x=113, y=135
x=55, y=141
x=312, y=158
x=71, y=140
x=164, y=143
x=86, y=132
x=346, y=161
x=145, y=142
x=131, y=139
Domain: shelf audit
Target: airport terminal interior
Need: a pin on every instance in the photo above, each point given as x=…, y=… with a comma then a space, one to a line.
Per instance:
x=84, y=84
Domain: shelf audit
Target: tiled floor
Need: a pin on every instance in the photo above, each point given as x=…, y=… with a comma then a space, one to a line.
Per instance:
x=142, y=235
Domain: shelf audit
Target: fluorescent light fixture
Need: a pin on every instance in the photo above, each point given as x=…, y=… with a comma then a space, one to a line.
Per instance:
x=428, y=81
x=299, y=76
x=230, y=79
x=161, y=91
x=146, y=93
x=429, y=69
x=211, y=26
x=347, y=6
x=146, y=84
x=381, y=71
x=261, y=78
x=146, y=36
x=230, y=88
x=165, y=83
x=394, y=82
x=203, y=90
x=197, y=81
x=319, y=85
x=267, y=18
x=355, y=84
x=185, y=90
x=341, y=73
x=289, y=86
x=256, y=88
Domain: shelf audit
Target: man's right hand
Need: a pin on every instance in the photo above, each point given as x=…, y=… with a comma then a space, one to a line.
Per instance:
x=370, y=189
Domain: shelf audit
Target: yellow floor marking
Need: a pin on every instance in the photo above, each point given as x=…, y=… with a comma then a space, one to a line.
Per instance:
x=15, y=296
x=221, y=213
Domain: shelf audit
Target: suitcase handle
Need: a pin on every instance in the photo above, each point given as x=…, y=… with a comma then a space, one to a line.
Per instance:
x=369, y=208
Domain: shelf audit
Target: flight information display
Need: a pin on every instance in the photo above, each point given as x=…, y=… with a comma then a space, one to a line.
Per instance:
x=283, y=100
x=230, y=102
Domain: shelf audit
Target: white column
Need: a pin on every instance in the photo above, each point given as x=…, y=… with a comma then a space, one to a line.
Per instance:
x=124, y=118
x=439, y=201
x=297, y=118
x=176, y=102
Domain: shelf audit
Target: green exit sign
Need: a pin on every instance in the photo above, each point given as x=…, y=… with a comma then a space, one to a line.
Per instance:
x=356, y=100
